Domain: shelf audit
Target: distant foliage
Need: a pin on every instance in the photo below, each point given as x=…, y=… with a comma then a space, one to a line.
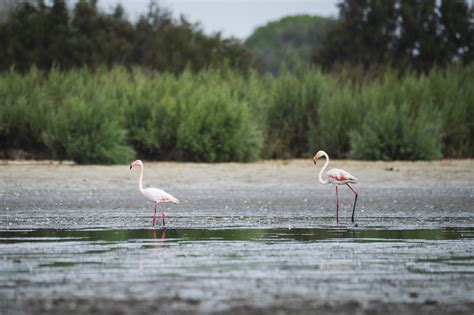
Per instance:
x=292, y=41
x=46, y=34
x=416, y=35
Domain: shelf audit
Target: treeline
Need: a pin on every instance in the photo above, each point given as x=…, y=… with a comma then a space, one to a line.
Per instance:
x=46, y=35
x=406, y=35
x=416, y=35
x=110, y=116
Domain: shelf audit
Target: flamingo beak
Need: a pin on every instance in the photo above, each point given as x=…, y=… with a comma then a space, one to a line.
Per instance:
x=130, y=166
x=315, y=159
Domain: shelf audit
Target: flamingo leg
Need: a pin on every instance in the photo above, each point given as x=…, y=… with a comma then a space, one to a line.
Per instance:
x=154, y=217
x=355, y=201
x=162, y=215
x=337, y=204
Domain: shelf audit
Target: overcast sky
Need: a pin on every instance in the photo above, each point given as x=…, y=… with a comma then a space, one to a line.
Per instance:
x=237, y=18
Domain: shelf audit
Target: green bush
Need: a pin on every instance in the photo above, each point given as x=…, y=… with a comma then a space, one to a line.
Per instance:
x=87, y=133
x=395, y=133
x=340, y=112
x=192, y=117
x=103, y=116
x=401, y=120
x=217, y=128
x=453, y=96
x=22, y=111
x=152, y=116
x=292, y=112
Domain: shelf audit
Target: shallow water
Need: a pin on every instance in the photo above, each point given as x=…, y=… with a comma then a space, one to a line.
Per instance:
x=217, y=269
x=244, y=234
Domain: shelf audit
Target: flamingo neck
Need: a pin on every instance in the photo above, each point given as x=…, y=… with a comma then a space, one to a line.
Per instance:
x=320, y=177
x=140, y=180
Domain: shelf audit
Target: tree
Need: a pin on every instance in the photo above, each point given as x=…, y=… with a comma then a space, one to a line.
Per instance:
x=47, y=35
x=293, y=39
x=58, y=32
x=458, y=32
x=408, y=34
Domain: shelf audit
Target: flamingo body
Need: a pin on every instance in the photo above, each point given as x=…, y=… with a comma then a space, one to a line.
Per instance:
x=154, y=194
x=158, y=195
x=337, y=177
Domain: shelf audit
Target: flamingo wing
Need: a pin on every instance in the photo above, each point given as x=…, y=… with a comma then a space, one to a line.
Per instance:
x=338, y=175
x=159, y=195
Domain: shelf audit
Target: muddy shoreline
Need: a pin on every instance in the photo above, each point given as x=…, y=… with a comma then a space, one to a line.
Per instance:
x=175, y=274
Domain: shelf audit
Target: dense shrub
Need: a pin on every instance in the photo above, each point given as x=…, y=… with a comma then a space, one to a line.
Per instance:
x=415, y=117
x=217, y=128
x=104, y=116
x=395, y=133
x=86, y=133
x=22, y=111
x=339, y=113
x=152, y=116
x=293, y=111
x=453, y=96
x=192, y=117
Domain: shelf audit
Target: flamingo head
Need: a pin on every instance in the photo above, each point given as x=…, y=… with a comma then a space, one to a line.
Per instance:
x=317, y=156
x=136, y=163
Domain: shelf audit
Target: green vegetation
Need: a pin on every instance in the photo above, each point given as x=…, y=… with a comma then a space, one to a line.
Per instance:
x=292, y=40
x=46, y=34
x=415, y=35
x=94, y=87
x=104, y=116
x=292, y=113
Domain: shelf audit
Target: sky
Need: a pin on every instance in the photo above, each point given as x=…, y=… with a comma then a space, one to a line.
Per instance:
x=236, y=18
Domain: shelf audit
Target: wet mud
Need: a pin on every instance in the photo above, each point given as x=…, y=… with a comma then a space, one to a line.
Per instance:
x=246, y=239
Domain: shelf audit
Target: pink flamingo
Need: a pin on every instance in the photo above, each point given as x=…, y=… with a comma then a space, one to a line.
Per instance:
x=154, y=194
x=336, y=177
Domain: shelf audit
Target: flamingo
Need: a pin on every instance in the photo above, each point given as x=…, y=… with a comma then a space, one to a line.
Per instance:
x=154, y=194
x=336, y=177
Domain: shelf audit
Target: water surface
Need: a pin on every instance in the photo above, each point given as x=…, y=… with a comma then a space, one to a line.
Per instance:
x=216, y=269
x=254, y=235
